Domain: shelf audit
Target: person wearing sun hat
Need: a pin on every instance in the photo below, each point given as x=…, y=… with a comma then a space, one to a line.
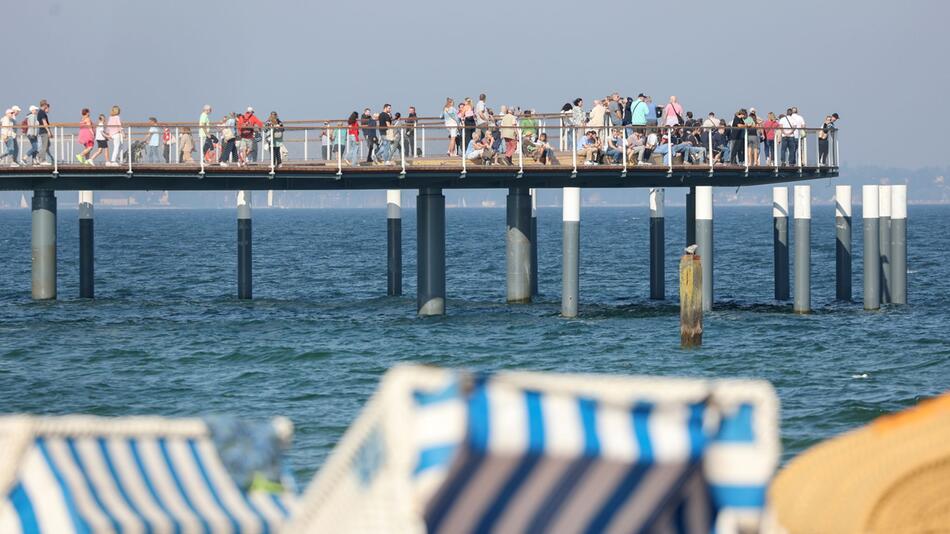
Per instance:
x=8, y=135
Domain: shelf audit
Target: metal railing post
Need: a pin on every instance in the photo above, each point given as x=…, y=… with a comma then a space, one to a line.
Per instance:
x=775, y=148
x=339, y=156
x=305, y=144
x=574, y=150
x=463, y=153
x=712, y=166
x=402, y=149
x=423, y=140
x=520, y=153
x=272, y=149
x=669, y=147
x=837, y=155
x=801, y=143
x=623, y=149
x=177, y=145
x=415, y=139
x=56, y=140
x=745, y=149
x=130, y=151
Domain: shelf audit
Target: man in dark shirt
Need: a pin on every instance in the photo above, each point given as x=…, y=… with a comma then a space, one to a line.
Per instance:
x=411, y=133
x=369, y=133
x=737, y=138
x=44, y=132
x=386, y=134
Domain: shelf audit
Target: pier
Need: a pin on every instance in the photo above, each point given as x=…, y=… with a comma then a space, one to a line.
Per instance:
x=422, y=167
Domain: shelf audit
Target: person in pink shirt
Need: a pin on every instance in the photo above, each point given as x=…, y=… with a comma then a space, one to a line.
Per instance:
x=86, y=136
x=114, y=132
x=768, y=132
x=673, y=113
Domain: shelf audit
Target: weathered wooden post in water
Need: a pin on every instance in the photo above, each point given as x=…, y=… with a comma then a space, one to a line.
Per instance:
x=86, y=246
x=393, y=242
x=691, y=300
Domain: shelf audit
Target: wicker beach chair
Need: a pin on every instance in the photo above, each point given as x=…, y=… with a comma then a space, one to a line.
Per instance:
x=437, y=451
x=79, y=474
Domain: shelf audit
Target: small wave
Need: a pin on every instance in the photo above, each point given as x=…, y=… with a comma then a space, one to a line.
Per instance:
x=861, y=376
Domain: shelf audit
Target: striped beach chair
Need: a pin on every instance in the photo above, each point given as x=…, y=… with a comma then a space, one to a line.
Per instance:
x=437, y=451
x=80, y=474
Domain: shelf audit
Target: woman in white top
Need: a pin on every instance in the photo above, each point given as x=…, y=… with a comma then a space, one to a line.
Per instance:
x=451, y=118
x=102, y=141
x=114, y=132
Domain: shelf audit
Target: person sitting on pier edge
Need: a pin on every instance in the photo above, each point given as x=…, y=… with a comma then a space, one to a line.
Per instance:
x=591, y=148
x=544, y=151
x=636, y=146
x=691, y=147
x=614, y=152
x=480, y=150
x=720, y=143
x=249, y=126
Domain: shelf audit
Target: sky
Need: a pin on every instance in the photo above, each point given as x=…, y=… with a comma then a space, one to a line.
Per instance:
x=880, y=65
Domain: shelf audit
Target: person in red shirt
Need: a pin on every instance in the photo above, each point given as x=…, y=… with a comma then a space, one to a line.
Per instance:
x=768, y=132
x=353, y=139
x=248, y=127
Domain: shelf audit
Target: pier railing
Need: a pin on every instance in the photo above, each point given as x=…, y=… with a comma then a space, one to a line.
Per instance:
x=427, y=141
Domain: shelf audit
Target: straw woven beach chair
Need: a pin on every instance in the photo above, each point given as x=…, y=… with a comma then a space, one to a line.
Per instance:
x=78, y=474
x=437, y=451
x=892, y=476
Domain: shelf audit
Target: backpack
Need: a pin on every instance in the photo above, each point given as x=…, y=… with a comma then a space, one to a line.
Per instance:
x=25, y=126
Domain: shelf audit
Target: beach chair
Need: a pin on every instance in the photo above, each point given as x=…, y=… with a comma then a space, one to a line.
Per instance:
x=80, y=474
x=437, y=451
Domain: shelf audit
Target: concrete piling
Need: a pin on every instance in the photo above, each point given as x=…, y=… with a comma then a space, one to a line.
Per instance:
x=884, y=240
x=704, y=238
x=393, y=242
x=534, y=243
x=898, y=244
x=872, y=252
x=691, y=216
x=86, y=246
x=44, y=245
x=691, y=301
x=244, y=244
x=518, y=245
x=802, y=302
x=571, y=251
x=657, y=244
x=430, y=249
x=780, y=241
x=843, y=242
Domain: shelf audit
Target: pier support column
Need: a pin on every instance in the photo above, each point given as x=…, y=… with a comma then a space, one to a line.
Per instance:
x=780, y=241
x=843, y=242
x=884, y=240
x=898, y=244
x=518, y=245
x=86, y=246
x=394, y=242
x=691, y=216
x=244, y=244
x=704, y=238
x=534, y=243
x=872, y=250
x=657, y=245
x=44, y=245
x=802, y=303
x=571, y=251
x=430, y=248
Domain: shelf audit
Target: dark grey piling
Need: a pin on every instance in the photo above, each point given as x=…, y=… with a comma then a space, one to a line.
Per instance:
x=430, y=248
x=44, y=245
x=518, y=245
x=394, y=242
x=899, y=244
x=780, y=241
x=86, y=246
x=884, y=240
x=657, y=245
x=872, y=251
x=691, y=216
x=534, y=243
x=802, y=302
x=244, y=244
x=571, y=251
x=843, y=242
x=704, y=238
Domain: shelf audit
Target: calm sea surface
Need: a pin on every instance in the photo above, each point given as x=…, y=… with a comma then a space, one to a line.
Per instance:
x=167, y=336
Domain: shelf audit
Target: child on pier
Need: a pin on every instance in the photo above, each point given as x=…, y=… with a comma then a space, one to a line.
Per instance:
x=102, y=141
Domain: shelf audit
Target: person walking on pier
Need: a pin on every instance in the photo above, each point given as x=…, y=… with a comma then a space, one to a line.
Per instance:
x=450, y=118
x=102, y=141
x=8, y=137
x=353, y=140
x=250, y=127
x=86, y=136
x=673, y=113
x=153, y=142
x=45, y=132
x=387, y=132
x=186, y=146
x=115, y=133
x=31, y=132
x=228, y=141
x=204, y=130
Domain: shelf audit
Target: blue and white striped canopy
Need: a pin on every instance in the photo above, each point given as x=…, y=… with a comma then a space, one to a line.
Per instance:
x=126, y=482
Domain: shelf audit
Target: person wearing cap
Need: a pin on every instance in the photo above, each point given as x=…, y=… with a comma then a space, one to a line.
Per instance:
x=8, y=136
x=249, y=127
x=31, y=132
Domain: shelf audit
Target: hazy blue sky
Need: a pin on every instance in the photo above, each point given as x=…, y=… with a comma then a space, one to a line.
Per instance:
x=881, y=65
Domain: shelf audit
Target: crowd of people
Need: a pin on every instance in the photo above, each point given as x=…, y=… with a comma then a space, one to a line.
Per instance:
x=613, y=130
